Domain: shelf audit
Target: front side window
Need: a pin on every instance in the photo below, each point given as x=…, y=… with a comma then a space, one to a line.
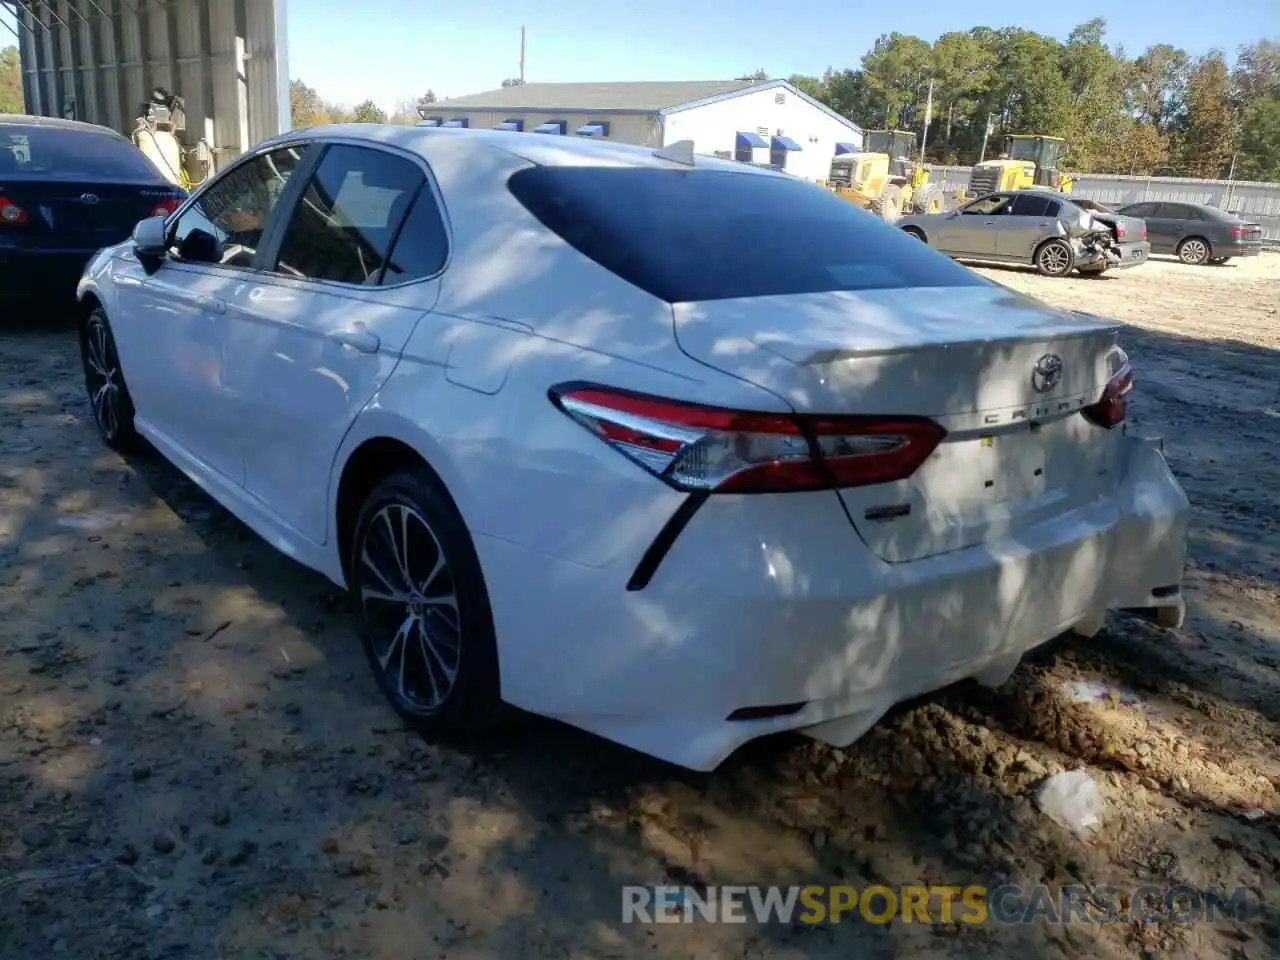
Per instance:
x=345, y=222
x=985, y=207
x=1140, y=210
x=224, y=225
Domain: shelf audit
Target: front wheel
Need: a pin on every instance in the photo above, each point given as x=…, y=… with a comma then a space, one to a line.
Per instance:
x=1193, y=251
x=104, y=381
x=1055, y=259
x=416, y=584
x=914, y=232
x=888, y=206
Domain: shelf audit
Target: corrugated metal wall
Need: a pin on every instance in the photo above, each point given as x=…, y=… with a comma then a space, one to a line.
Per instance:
x=1259, y=202
x=98, y=60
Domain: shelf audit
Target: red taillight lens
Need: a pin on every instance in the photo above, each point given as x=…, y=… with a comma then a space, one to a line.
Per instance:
x=166, y=207
x=693, y=447
x=1144, y=231
x=1109, y=411
x=11, y=215
x=1237, y=233
x=1121, y=232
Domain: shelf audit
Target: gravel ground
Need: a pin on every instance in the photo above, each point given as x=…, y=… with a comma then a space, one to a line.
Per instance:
x=195, y=762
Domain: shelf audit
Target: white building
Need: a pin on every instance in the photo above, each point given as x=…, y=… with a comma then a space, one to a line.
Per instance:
x=761, y=122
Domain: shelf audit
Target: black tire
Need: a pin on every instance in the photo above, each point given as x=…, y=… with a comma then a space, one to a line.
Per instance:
x=413, y=642
x=1219, y=261
x=915, y=232
x=1194, y=251
x=1054, y=258
x=104, y=381
x=1092, y=272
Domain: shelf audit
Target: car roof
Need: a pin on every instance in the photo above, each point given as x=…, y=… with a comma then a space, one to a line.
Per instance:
x=56, y=123
x=541, y=149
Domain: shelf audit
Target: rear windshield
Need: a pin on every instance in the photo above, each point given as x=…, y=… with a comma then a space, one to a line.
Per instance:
x=74, y=153
x=1092, y=205
x=692, y=235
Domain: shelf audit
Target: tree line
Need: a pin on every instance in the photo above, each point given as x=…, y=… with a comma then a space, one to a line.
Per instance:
x=1161, y=112
x=309, y=109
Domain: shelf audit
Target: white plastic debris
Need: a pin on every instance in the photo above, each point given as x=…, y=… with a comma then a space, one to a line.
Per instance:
x=1072, y=801
x=1090, y=691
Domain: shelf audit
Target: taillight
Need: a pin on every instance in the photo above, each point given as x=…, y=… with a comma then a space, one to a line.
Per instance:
x=1144, y=230
x=1109, y=411
x=1237, y=233
x=11, y=215
x=709, y=449
x=166, y=207
x=1121, y=232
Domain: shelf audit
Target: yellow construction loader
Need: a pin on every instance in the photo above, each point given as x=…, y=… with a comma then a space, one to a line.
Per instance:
x=1028, y=161
x=885, y=177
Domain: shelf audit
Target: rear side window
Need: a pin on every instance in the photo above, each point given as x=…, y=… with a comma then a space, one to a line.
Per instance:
x=346, y=220
x=1139, y=210
x=1026, y=205
x=693, y=235
x=422, y=246
x=1178, y=211
x=72, y=153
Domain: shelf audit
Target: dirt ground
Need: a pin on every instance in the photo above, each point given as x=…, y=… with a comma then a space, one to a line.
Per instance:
x=195, y=761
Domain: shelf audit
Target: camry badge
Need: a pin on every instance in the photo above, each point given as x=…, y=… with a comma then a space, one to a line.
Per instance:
x=1047, y=373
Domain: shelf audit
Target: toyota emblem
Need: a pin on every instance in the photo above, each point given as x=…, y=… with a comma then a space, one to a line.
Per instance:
x=89, y=198
x=1047, y=373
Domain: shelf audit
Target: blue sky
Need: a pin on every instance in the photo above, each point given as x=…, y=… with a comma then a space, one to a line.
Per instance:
x=391, y=50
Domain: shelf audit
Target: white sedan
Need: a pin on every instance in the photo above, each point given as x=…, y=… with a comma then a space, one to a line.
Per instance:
x=680, y=451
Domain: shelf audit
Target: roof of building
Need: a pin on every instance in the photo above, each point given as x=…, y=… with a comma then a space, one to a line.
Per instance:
x=640, y=96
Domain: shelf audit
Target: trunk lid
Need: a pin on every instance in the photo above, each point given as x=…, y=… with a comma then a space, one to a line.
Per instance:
x=80, y=213
x=1006, y=376
x=1125, y=229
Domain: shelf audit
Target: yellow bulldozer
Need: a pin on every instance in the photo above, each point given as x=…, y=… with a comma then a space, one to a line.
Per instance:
x=1028, y=161
x=885, y=177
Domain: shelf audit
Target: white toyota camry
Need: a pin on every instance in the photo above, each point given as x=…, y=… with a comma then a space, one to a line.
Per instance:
x=677, y=450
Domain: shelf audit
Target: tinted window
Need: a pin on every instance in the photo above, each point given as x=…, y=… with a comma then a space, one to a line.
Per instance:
x=1178, y=211
x=690, y=235
x=1053, y=209
x=1026, y=205
x=986, y=206
x=422, y=246
x=1092, y=205
x=344, y=223
x=1139, y=210
x=225, y=223
x=72, y=153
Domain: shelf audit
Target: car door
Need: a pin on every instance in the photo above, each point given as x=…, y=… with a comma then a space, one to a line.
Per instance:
x=973, y=231
x=355, y=265
x=1031, y=218
x=1163, y=227
x=173, y=315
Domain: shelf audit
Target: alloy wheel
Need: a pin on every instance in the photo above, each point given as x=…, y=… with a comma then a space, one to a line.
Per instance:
x=1194, y=251
x=410, y=607
x=102, y=375
x=1053, y=259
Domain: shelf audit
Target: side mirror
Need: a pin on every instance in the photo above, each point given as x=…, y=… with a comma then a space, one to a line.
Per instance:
x=150, y=236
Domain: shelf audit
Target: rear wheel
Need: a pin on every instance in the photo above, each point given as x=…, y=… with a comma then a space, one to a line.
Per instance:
x=914, y=232
x=1194, y=251
x=1054, y=259
x=888, y=206
x=427, y=629
x=1219, y=261
x=105, y=384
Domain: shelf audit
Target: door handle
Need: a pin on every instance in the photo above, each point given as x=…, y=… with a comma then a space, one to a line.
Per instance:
x=212, y=304
x=358, y=338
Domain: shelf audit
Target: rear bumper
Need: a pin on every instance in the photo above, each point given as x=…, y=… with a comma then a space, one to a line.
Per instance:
x=1133, y=254
x=39, y=275
x=1243, y=249
x=764, y=601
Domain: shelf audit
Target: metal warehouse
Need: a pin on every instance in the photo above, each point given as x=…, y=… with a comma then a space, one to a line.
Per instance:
x=761, y=122
x=101, y=60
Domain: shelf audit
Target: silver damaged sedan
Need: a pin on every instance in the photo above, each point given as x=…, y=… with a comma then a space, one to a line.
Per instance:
x=1051, y=231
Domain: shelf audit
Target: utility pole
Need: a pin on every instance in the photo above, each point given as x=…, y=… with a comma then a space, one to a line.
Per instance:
x=928, y=115
x=985, y=136
x=522, y=56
